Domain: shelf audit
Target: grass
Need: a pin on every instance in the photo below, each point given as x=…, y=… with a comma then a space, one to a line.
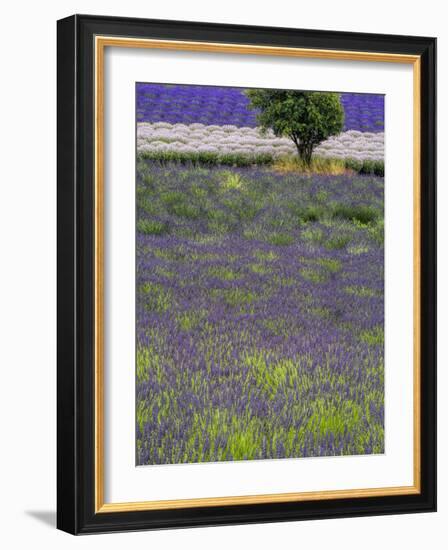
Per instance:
x=189, y=320
x=176, y=203
x=260, y=269
x=321, y=212
x=238, y=297
x=206, y=158
x=287, y=164
x=232, y=181
x=313, y=235
x=223, y=273
x=328, y=166
x=373, y=337
x=330, y=264
x=242, y=207
x=155, y=297
x=376, y=232
x=152, y=227
x=311, y=213
x=361, y=214
x=362, y=291
x=269, y=255
x=313, y=275
x=337, y=242
x=336, y=419
x=281, y=239
x=318, y=165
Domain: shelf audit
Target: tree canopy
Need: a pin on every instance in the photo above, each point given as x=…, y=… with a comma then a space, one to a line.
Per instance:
x=307, y=118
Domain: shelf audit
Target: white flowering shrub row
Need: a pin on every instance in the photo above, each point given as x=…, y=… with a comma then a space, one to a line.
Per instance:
x=192, y=138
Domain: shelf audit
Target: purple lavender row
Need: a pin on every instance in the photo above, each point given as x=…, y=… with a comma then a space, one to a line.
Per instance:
x=221, y=106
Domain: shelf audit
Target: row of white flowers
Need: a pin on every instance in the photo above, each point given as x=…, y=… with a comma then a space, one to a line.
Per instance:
x=162, y=136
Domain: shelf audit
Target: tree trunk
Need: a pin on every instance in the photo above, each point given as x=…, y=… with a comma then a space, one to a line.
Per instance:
x=305, y=150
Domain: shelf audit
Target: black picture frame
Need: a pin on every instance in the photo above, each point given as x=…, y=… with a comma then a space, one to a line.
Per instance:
x=76, y=271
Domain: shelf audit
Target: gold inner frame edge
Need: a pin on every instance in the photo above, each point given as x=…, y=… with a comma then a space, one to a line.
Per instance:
x=100, y=43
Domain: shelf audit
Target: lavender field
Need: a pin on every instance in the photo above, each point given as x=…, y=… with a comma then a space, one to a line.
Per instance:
x=214, y=105
x=259, y=313
x=179, y=121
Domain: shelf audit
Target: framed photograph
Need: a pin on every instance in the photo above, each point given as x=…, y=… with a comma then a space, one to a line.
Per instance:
x=246, y=274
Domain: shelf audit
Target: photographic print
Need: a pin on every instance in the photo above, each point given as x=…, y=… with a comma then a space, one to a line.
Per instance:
x=223, y=341
x=259, y=274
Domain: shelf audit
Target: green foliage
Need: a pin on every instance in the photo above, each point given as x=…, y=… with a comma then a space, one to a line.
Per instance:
x=237, y=296
x=310, y=213
x=362, y=214
x=232, y=180
x=334, y=418
x=174, y=254
x=329, y=166
x=357, y=250
x=189, y=320
x=313, y=275
x=242, y=206
x=374, y=336
x=319, y=212
x=371, y=167
x=376, y=231
x=337, y=242
x=307, y=118
x=206, y=158
x=322, y=196
x=156, y=297
x=317, y=165
x=330, y=264
x=148, y=360
x=223, y=273
x=177, y=203
x=152, y=227
x=313, y=235
x=270, y=378
x=362, y=291
x=164, y=272
x=270, y=256
x=281, y=239
x=260, y=269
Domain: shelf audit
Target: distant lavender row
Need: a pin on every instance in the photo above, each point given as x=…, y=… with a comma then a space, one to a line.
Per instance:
x=209, y=105
x=194, y=138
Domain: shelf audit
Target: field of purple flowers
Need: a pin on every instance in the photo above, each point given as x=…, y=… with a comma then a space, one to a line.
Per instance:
x=211, y=105
x=259, y=314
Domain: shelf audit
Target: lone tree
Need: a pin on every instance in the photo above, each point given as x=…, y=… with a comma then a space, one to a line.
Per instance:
x=307, y=118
